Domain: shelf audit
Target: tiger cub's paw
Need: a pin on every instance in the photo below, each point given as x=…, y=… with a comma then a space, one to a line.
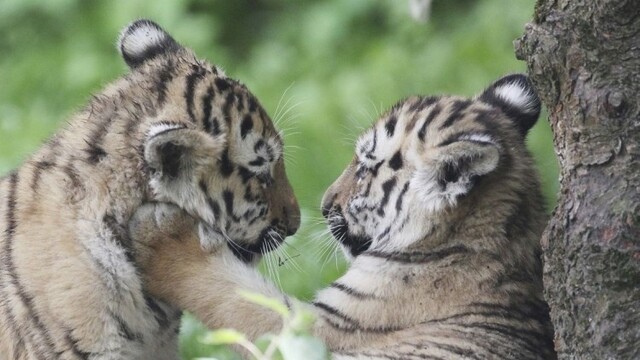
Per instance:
x=157, y=221
x=157, y=227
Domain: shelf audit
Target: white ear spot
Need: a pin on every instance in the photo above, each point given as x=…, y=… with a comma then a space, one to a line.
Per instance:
x=515, y=95
x=143, y=40
x=140, y=39
x=518, y=96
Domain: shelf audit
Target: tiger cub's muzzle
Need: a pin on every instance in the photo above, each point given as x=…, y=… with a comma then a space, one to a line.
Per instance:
x=354, y=244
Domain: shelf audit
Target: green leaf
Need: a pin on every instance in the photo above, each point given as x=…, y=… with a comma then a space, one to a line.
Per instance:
x=268, y=302
x=302, y=347
x=264, y=341
x=224, y=337
x=302, y=321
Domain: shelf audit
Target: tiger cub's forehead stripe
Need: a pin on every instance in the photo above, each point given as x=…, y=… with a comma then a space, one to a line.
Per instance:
x=418, y=106
x=455, y=112
x=435, y=111
x=222, y=84
x=246, y=126
x=486, y=117
x=207, y=100
x=191, y=81
x=163, y=81
x=390, y=125
x=423, y=103
x=227, y=107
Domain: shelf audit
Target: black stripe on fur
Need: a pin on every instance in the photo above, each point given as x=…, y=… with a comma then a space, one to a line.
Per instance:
x=39, y=330
x=165, y=76
x=207, y=105
x=455, y=112
x=352, y=292
x=418, y=257
x=38, y=168
x=191, y=81
x=387, y=188
x=435, y=111
x=125, y=331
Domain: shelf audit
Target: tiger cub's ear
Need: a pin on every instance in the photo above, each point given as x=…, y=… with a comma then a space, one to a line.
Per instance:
x=143, y=40
x=453, y=170
x=178, y=158
x=515, y=96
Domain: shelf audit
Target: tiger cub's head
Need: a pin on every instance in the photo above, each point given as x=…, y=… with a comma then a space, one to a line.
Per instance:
x=432, y=168
x=210, y=147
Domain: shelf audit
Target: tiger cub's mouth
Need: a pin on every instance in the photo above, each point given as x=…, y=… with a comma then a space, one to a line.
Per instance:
x=269, y=239
x=354, y=244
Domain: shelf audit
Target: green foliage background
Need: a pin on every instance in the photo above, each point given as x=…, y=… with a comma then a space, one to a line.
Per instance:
x=329, y=67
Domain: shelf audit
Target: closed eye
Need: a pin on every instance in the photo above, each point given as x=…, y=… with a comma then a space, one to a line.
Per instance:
x=367, y=167
x=361, y=171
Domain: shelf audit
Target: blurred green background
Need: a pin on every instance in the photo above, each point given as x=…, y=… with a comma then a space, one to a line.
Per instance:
x=323, y=69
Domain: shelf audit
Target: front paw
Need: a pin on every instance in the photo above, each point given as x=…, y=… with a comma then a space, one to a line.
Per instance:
x=158, y=217
x=211, y=239
x=155, y=223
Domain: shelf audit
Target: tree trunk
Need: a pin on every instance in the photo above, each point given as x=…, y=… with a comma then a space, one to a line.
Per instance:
x=584, y=58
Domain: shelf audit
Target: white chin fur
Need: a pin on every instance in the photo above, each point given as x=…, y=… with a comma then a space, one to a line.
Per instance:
x=432, y=198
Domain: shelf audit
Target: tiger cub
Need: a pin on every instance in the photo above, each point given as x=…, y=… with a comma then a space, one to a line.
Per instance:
x=173, y=129
x=441, y=213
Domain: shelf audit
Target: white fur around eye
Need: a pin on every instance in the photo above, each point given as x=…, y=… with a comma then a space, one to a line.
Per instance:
x=367, y=145
x=518, y=96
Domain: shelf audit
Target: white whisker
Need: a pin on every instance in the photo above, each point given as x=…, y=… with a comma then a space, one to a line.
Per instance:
x=277, y=111
x=283, y=117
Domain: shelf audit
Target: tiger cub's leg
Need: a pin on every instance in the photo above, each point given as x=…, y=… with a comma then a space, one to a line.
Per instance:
x=177, y=270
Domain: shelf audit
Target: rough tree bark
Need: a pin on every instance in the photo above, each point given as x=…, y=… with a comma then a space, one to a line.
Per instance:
x=584, y=58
